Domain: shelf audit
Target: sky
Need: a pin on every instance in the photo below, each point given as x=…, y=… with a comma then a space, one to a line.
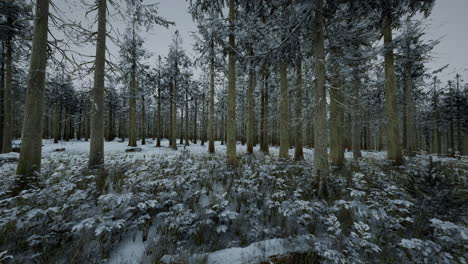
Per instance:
x=448, y=22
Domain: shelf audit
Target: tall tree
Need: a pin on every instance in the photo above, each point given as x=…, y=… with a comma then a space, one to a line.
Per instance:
x=13, y=23
x=299, y=153
x=321, y=168
x=231, y=107
x=96, y=150
x=31, y=147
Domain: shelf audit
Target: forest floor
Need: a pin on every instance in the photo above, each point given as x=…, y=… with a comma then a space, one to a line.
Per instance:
x=187, y=206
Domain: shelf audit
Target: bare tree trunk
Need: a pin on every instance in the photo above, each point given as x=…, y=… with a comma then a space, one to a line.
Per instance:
x=195, y=123
x=264, y=113
x=356, y=132
x=7, y=100
x=56, y=123
x=231, y=109
x=251, y=109
x=174, y=116
x=181, y=128
x=203, y=121
x=132, y=139
x=336, y=121
x=321, y=169
x=109, y=123
x=299, y=153
x=211, y=128
x=158, y=119
x=284, y=112
x=436, y=145
x=2, y=92
x=187, y=130
x=410, y=109
x=143, y=119
x=31, y=146
x=393, y=130
x=96, y=152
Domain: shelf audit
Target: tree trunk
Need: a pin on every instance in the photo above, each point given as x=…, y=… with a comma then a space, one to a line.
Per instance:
x=321, y=169
x=211, y=129
x=109, y=123
x=96, y=151
x=158, y=120
x=299, y=153
x=7, y=100
x=264, y=113
x=186, y=117
x=31, y=146
x=393, y=130
x=181, y=128
x=195, y=123
x=174, y=116
x=203, y=121
x=132, y=139
x=356, y=132
x=143, y=119
x=2, y=89
x=410, y=109
x=231, y=109
x=284, y=112
x=251, y=109
x=336, y=121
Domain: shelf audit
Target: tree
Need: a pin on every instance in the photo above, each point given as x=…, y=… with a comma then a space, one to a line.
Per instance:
x=413, y=52
x=12, y=25
x=389, y=14
x=30, y=156
x=96, y=150
x=321, y=169
x=231, y=104
x=299, y=153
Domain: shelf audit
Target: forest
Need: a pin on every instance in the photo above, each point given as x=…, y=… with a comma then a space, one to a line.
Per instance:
x=291, y=131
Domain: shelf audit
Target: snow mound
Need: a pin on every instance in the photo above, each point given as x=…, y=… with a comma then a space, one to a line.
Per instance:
x=254, y=253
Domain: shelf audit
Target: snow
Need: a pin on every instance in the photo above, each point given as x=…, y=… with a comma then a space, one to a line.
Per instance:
x=254, y=253
x=263, y=209
x=12, y=156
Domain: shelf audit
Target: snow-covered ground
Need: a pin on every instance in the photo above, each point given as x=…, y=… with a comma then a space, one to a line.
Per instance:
x=113, y=147
x=188, y=206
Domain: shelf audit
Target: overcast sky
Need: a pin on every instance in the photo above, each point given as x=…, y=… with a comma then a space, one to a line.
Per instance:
x=448, y=21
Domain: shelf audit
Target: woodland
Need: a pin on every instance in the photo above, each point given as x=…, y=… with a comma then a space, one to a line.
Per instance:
x=294, y=131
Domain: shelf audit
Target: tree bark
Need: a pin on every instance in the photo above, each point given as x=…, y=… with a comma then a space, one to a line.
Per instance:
x=410, y=109
x=299, y=153
x=284, y=112
x=31, y=146
x=336, y=121
x=132, y=140
x=174, y=116
x=7, y=100
x=158, y=120
x=195, y=122
x=203, y=121
x=393, y=130
x=2, y=89
x=231, y=109
x=264, y=113
x=251, y=109
x=187, y=130
x=321, y=169
x=356, y=132
x=96, y=151
x=143, y=119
